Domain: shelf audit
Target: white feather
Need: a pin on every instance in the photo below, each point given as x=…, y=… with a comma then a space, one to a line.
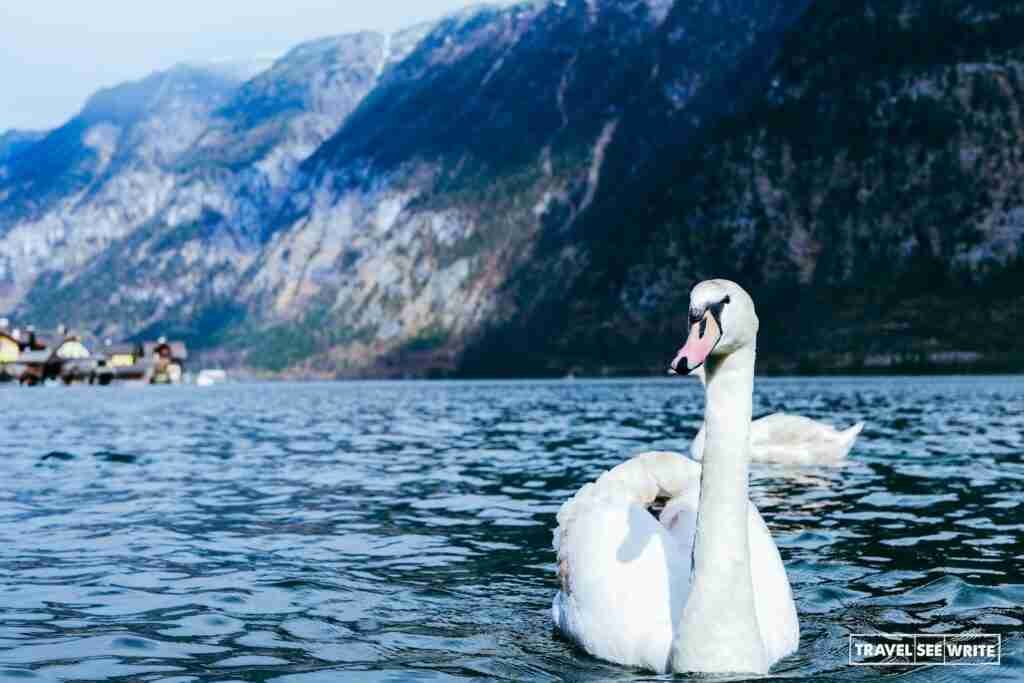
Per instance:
x=626, y=575
x=792, y=440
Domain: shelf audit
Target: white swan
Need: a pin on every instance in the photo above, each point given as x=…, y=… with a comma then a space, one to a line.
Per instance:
x=702, y=588
x=789, y=439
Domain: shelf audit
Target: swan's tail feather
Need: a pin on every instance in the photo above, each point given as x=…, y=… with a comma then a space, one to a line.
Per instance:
x=848, y=437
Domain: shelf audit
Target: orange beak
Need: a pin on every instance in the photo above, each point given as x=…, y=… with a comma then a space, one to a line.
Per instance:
x=704, y=336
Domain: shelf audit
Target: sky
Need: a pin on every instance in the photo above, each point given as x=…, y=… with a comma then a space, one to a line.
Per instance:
x=55, y=53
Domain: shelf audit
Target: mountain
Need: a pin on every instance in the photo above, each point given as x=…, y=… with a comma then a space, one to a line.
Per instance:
x=532, y=189
x=867, y=190
x=408, y=220
x=68, y=196
x=13, y=142
x=186, y=219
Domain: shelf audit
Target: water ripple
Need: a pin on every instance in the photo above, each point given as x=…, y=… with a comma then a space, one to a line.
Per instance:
x=395, y=531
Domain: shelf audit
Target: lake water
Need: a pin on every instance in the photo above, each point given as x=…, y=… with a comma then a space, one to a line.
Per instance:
x=402, y=531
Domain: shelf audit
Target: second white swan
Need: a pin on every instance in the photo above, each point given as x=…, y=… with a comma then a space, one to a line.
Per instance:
x=786, y=439
x=792, y=440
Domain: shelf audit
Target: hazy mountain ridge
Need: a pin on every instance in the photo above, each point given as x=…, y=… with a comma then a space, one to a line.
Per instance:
x=190, y=242
x=14, y=142
x=97, y=177
x=533, y=188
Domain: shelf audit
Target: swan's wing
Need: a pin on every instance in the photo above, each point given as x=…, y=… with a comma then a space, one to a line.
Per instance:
x=697, y=447
x=773, y=598
x=799, y=440
x=781, y=428
x=624, y=578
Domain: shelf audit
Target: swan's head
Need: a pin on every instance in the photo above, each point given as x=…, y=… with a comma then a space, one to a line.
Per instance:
x=722, y=321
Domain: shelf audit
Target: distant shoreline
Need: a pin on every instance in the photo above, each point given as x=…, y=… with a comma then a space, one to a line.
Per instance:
x=624, y=373
x=428, y=366
x=625, y=378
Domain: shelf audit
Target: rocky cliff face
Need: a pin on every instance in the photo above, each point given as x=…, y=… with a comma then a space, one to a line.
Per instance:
x=869, y=190
x=409, y=220
x=162, y=236
x=68, y=196
x=534, y=188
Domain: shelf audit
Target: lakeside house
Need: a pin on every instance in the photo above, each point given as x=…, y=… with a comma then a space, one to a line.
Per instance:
x=68, y=361
x=121, y=362
x=10, y=347
x=169, y=360
x=30, y=360
x=121, y=355
x=10, y=350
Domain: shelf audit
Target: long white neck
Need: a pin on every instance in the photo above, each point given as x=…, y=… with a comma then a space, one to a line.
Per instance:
x=720, y=550
x=718, y=631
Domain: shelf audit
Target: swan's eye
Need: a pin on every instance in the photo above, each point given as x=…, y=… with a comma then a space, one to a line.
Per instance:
x=716, y=310
x=703, y=327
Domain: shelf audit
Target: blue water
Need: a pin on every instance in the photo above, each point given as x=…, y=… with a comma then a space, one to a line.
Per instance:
x=401, y=531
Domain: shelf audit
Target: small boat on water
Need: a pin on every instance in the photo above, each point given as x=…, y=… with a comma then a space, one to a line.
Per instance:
x=208, y=378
